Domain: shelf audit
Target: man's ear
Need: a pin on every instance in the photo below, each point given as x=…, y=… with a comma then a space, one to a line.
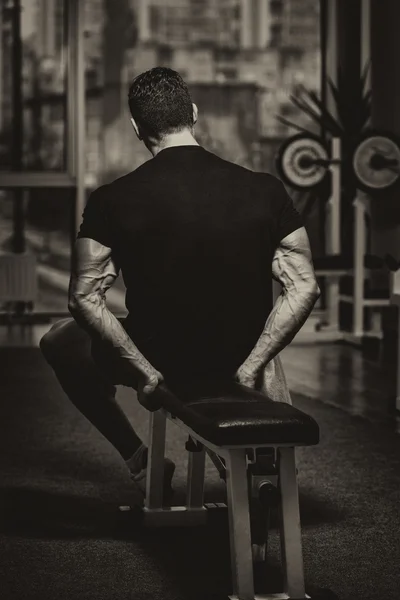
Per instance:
x=136, y=128
x=195, y=113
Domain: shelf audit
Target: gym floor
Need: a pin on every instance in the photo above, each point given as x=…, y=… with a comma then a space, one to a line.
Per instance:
x=60, y=483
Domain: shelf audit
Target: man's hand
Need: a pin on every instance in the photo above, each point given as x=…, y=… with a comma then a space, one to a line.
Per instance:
x=249, y=373
x=151, y=381
x=147, y=386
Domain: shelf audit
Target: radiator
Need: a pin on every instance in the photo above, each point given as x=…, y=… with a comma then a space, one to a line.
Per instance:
x=18, y=278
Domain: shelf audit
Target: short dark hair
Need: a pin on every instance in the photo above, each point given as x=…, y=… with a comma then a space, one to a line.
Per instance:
x=160, y=102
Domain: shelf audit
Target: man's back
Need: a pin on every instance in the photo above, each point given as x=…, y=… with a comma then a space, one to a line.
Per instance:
x=194, y=236
x=197, y=240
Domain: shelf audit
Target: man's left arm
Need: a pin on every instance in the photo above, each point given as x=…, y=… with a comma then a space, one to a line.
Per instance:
x=292, y=267
x=93, y=273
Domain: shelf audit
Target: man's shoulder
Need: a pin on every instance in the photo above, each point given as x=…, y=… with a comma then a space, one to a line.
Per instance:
x=112, y=190
x=267, y=180
x=260, y=178
x=128, y=179
x=263, y=184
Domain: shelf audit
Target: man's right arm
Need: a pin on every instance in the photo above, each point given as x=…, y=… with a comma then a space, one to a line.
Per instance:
x=292, y=267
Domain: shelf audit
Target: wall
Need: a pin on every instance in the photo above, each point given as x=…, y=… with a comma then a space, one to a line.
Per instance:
x=385, y=49
x=385, y=76
x=228, y=125
x=228, y=119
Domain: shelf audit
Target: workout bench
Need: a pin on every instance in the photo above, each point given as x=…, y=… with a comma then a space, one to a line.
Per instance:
x=232, y=421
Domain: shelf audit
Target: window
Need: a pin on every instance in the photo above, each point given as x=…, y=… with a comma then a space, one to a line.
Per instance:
x=32, y=84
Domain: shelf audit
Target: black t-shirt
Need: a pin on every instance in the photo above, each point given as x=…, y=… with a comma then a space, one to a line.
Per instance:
x=194, y=236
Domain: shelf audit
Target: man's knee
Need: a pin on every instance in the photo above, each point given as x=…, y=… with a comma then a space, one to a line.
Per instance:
x=51, y=340
x=61, y=337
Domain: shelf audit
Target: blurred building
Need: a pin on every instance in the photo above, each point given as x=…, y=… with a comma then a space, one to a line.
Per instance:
x=299, y=24
x=94, y=37
x=5, y=65
x=50, y=41
x=50, y=27
x=51, y=33
x=232, y=23
x=180, y=22
x=255, y=24
x=271, y=42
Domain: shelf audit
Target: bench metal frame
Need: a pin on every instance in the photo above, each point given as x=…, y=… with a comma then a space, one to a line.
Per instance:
x=195, y=513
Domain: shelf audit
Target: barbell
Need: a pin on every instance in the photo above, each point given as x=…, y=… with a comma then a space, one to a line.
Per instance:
x=303, y=161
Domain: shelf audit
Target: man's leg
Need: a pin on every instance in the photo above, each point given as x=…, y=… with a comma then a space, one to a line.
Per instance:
x=67, y=348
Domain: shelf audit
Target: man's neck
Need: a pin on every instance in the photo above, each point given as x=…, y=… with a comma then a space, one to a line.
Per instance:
x=183, y=138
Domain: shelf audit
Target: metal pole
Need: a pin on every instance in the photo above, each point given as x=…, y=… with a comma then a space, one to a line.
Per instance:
x=76, y=38
x=333, y=237
x=335, y=168
x=329, y=218
x=366, y=37
x=18, y=239
x=323, y=46
x=361, y=203
x=360, y=209
x=331, y=56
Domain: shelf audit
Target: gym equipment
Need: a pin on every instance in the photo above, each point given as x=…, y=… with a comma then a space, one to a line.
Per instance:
x=376, y=162
x=235, y=424
x=361, y=264
x=303, y=161
x=376, y=167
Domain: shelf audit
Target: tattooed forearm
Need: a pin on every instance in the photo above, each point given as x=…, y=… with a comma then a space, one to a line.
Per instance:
x=287, y=317
x=292, y=267
x=93, y=273
x=93, y=315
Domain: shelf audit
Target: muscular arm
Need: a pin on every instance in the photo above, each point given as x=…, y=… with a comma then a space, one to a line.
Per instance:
x=93, y=273
x=292, y=267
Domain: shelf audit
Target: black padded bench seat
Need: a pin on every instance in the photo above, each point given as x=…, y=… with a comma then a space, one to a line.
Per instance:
x=234, y=415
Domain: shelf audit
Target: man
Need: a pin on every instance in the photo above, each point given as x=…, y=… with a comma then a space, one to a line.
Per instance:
x=197, y=240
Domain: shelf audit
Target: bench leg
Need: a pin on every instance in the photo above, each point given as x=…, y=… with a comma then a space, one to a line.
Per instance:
x=155, y=515
x=218, y=463
x=155, y=461
x=291, y=548
x=239, y=526
x=195, y=479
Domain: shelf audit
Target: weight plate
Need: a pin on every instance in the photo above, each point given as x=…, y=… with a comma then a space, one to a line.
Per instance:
x=376, y=162
x=302, y=161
